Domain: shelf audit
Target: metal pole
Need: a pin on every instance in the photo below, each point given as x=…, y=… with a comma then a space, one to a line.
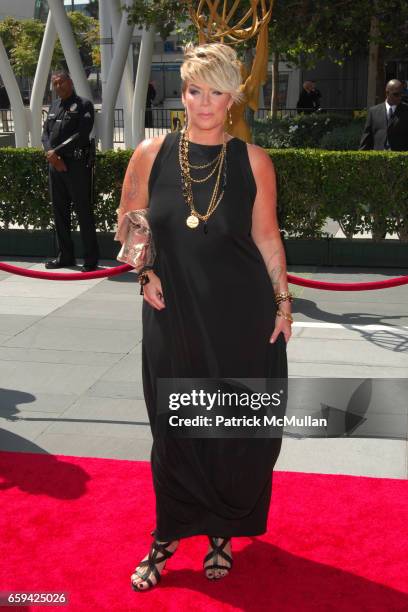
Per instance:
x=142, y=80
x=16, y=102
x=40, y=81
x=126, y=87
x=114, y=79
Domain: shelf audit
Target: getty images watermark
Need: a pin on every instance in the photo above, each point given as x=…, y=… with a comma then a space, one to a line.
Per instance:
x=270, y=408
x=199, y=398
x=219, y=408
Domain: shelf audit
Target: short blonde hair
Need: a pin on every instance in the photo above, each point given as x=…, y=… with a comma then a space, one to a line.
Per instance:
x=216, y=65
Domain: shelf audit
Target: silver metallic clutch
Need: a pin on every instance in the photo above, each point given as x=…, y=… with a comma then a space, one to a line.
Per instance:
x=135, y=235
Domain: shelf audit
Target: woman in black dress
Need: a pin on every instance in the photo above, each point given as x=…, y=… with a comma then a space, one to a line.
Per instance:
x=210, y=308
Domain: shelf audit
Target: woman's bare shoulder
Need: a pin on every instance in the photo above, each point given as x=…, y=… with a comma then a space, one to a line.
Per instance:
x=152, y=145
x=257, y=154
x=144, y=155
x=261, y=163
x=149, y=147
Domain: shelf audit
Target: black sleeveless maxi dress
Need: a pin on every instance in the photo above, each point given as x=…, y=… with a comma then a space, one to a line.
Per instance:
x=218, y=319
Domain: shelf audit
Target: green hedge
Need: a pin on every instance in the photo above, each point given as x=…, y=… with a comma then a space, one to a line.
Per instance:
x=24, y=195
x=366, y=190
x=300, y=198
x=316, y=130
x=345, y=138
x=362, y=190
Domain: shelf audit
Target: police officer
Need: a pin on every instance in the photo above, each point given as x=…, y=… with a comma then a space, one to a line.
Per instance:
x=70, y=116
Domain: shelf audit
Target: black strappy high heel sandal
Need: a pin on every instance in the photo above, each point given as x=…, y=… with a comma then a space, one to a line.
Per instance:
x=150, y=565
x=217, y=549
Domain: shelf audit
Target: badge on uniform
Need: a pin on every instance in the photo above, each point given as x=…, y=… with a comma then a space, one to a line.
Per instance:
x=73, y=107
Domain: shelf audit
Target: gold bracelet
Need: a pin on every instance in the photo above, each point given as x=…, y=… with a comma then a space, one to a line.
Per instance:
x=284, y=315
x=283, y=296
x=143, y=279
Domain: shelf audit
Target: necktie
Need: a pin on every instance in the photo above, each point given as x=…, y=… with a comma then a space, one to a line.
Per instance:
x=390, y=115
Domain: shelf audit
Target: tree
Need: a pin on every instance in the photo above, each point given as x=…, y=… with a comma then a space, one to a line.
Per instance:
x=22, y=40
x=165, y=15
x=172, y=16
x=306, y=31
x=86, y=34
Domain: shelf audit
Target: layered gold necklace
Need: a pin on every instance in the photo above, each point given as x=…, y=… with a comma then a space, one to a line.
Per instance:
x=220, y=164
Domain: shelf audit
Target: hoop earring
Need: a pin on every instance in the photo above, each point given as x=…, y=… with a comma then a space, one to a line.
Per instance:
x=229, y=116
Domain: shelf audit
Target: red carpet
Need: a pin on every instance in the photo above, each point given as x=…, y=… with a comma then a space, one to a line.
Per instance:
x=335, y=543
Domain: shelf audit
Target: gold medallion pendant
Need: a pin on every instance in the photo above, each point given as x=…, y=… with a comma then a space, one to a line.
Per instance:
x=192, y=221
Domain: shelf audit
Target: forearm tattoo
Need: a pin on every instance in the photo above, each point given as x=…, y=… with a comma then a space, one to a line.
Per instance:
x=275, y=268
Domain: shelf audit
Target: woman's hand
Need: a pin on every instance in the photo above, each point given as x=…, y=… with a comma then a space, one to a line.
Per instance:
x=152, y=292
x=282, y=325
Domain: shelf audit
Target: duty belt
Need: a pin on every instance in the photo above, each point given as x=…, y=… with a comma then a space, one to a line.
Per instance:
x=79, y=153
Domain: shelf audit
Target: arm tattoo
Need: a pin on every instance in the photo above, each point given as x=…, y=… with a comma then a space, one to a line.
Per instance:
x=275, y=275
x=275, y=269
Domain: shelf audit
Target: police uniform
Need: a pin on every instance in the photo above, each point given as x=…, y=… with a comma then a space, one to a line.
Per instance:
x=65, y=118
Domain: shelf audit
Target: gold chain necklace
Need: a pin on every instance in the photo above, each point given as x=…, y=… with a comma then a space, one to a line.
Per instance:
x=198, y=167
x=208, y=175
x=195, y=217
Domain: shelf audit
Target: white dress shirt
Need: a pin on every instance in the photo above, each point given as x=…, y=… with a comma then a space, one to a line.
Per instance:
x=388, y=107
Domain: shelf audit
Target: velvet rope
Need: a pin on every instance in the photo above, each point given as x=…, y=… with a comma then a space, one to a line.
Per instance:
x=295, y=280
x=383, y=284
x=65, y=275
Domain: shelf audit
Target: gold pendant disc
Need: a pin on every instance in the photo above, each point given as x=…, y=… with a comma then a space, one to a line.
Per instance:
x=192, y=221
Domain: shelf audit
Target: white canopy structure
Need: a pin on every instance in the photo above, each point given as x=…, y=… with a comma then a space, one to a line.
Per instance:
x=116, y=75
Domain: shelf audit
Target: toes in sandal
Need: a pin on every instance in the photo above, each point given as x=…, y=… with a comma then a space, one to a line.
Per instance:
x=150, y=564
x=217, y=549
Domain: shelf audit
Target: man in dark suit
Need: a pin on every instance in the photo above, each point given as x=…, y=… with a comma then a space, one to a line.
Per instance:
x=151, y=94
x=70, y=118
x=309, y=98
x=386, y=127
